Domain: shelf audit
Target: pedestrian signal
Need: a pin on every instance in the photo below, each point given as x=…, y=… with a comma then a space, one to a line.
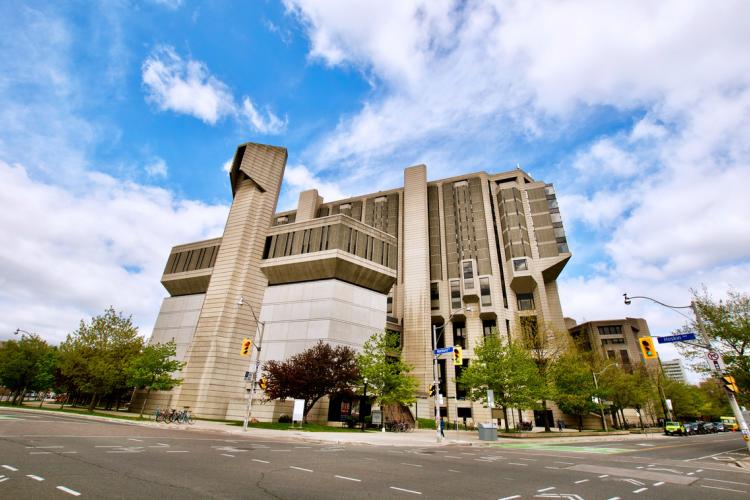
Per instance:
x=730, y=384
x=457, y=356
x=246, y=345
x=647, y=347
x=263, y=383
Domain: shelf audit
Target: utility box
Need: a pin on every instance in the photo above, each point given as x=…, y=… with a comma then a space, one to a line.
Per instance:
x=487, y=432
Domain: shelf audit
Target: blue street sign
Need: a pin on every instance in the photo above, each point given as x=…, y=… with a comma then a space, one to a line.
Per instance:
x=443, y=350
x=676, y=338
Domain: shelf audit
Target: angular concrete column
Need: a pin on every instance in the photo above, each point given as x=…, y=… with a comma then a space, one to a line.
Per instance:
x=308, y=204
x=215, y=370
x=417, y=334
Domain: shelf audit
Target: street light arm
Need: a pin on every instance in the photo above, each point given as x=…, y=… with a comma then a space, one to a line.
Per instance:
x=627, y=301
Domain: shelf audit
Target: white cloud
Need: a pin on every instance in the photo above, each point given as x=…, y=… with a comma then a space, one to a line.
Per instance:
x=227, y=166
x=188, y=87
x=169, y=4
x=299, y=178
x=270, y=124
x=157, y=167
x=185, y=86
x=86, y=251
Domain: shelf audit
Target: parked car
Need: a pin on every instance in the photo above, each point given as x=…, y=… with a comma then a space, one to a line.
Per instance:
x=691, y=428
x=708, y=427
x=720, y=427
x=674, y=428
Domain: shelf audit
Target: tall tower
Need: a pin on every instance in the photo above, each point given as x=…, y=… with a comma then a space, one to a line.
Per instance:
x=214, y=371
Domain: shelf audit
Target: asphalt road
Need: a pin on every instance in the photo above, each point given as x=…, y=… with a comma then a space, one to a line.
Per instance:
x=55, y=456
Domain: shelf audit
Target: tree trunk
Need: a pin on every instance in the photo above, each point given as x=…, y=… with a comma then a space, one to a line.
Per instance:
x=505, y=417
x=65, y=400
x=520, y=417
x=21, y=396
x=382, y=417
x=92, y=403
x=624, y=422
x=41, y=400
x=144, y=402
x=546, y=416
x=640, y=418
x=580, y=423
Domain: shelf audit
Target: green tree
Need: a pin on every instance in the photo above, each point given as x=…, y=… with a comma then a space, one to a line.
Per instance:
x=319, y=371
x=97, y=355
x=545, y=345
x=25, y=365
x=574, y=386
x=687, y=400
x=507, y=369
x=715, y=403
x=628, y=390
x=388, y=378
x=153, y=368
x=727, y=324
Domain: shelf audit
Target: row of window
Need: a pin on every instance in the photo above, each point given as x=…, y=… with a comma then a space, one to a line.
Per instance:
x=192, y=260
x=610, y=330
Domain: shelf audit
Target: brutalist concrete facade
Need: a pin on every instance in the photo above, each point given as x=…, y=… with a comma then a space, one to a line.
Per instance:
x=471, y=254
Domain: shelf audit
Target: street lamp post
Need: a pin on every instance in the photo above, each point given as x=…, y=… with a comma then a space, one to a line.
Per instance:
x=715, y=368
x=362, y=406
x=598, y=398
x=254, y=373
x=436, y=373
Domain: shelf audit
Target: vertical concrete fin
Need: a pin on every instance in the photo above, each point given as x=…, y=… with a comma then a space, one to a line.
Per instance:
x=307, y=207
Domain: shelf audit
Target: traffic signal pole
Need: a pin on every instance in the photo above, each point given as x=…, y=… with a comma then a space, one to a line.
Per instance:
x=254, y=378
x=436, y=382
x=714, y=368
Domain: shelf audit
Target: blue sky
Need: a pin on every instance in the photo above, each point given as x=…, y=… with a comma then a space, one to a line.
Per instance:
x=117, y=119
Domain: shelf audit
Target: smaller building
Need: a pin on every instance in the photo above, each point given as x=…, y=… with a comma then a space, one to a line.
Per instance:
x=615, y=339
x=674, y=370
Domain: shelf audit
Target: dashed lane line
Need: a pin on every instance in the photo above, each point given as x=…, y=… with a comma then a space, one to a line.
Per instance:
x=406, y=491
x=514, y=463
x=3, y=479
x=545, y=489
x=261, y=461
x=453, y=456
x=725, y=481
x=69, y=491
x=714, y=455
x=659, y=483
x=40, y=453
x=640, y=490
x=581, y=481
x=300, y=468
x=178, y=451
x=349, y=478
x=10, y=468
x=510, y=498
x=35, y=478
x=43, y=447
x=227, y=455
x=724, y=489
x=410, y=465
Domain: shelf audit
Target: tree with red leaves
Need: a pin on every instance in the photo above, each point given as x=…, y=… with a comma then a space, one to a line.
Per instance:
x=319, y=371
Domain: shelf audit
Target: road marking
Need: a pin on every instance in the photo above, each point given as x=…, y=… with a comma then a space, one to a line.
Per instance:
x=645, y=444
x=453, y=470
x=614, y=498
x=69, y=491
x=225, y=455
x=178, y=451
x=40, y=453
x=281, y=450
x=68, y=452
x=406, y=491
x=113, y=446
x=659, y=483
x=513, y=463
x=603, y=475
x=510, y=498
x=724, y=481
x=551, y=467
x=162, y=444
x=349, y=478
x=529, y=459
x=545, y=489
x=10, y=467
x=134, y=439
x=725, y=489
x=453, y=456
x=3, y=479
x=302, y=447
x=699, y=470
x=690, y=473
x=411, y=465
x=714, y=455
x=639, y=490
x=261, y=461
x=300, y=468
x=44, y=447
x=633, y=482
x=643, y=475
x=581, y=481
x=466, y=453
x=566, y=463
x=639, y=467
x=35, y=478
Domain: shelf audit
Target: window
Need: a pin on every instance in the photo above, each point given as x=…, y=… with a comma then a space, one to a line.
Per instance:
x=610, y=330
x=559, y=232
x=282, y=220
x=525, y=301
x=552, y=203
x=389, y=305
x=613, y=341
x=611, y=354
x=488, y=326
x=624, y=356
x=434, y=296
x=461, y=390
x=459, y=334
x=484, y=291
x=468, y=275
x=455, y=295
x=562, y=248
x=520, y=265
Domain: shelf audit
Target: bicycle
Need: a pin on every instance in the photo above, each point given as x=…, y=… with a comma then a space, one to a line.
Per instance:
x=184, y=417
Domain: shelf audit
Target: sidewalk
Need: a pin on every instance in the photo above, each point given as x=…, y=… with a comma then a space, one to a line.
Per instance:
x=417, y=438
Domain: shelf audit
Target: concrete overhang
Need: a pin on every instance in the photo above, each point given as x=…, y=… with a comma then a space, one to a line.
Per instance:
x=329, y=264
x=552, y=267
x=188, y=282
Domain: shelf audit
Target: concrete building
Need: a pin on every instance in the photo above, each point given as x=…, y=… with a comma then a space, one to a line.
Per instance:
x=674, y=370
x=471, y=254
x=615, y=339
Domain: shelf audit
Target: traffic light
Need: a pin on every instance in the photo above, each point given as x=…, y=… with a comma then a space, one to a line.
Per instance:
x=246, y=345
x=457, y=356
x=730, y=384
x=647, y=346
x=431, y=390
x=263, y=383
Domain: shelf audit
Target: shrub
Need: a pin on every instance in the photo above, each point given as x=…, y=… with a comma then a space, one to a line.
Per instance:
x=285, y=419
